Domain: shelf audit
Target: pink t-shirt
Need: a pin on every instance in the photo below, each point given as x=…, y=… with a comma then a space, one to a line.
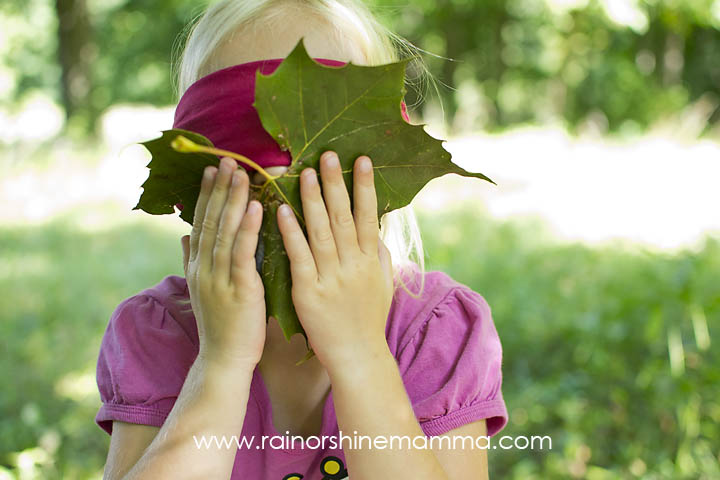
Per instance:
x=445, y=344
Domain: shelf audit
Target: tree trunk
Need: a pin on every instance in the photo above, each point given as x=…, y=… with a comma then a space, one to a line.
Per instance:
x=75, y=52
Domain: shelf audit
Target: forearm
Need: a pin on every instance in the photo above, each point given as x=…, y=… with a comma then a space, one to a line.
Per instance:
x=370, y=398
x=212, y=402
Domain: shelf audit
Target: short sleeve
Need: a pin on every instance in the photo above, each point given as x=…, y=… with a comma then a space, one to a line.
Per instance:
x=144, y=358
x=453, y=366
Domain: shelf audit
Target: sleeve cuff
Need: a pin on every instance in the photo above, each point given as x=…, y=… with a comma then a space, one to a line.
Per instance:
x=493, y=411
x=140, y=414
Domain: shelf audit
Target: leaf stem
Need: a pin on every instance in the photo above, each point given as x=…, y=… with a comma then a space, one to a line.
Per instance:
x=308, y=355
x=183, y=144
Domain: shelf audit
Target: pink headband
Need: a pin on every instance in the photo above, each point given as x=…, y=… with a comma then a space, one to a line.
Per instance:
x=219, y=106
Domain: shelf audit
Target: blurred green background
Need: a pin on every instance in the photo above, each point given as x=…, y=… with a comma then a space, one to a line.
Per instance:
x=608, y=347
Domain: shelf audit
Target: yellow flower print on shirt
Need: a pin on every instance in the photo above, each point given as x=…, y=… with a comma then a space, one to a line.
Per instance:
x=331, y=467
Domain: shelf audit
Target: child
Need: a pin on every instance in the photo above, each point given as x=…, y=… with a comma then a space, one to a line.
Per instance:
x=180, y=385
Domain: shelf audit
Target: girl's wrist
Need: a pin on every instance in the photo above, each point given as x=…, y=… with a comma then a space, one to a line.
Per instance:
x=364, y=362
x=218, y=365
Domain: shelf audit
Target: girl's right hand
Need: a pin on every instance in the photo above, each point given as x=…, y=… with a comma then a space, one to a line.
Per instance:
x=226, y=291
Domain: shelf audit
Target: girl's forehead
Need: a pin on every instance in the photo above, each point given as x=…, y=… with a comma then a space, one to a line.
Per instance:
x=253, y=44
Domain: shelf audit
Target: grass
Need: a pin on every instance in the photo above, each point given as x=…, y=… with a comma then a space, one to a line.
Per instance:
x=60, y=284
x=586, y=334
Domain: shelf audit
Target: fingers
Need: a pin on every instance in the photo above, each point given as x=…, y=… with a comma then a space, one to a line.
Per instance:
x=302, y=263
x=385, y=262
x=322, y=241
x=211, y=220
x=185, y=242
x=335, y=235
x=278, y=170
x=206, y=185
x=232, y=214
x=337, y=202
x=243, y=267
x=365, y=203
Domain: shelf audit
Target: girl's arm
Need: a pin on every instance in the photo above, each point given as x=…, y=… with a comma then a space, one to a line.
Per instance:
x=465, y=462
x=370, y=398
x=342, y=289
x=228, y=301
x=208, y=405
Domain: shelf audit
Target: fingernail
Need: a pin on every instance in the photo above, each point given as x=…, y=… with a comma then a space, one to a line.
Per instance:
x=331, y=160
x=285, y=210
x=365, y=164
x=253, y=208
x=310, y=176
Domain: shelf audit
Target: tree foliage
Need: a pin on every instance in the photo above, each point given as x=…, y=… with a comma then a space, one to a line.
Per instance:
x=514, y=61
x=574, y=61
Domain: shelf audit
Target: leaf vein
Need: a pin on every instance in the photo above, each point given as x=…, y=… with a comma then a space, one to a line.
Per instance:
x=338, y=115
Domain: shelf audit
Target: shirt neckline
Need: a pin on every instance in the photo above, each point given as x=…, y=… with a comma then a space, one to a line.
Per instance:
x=259, y=391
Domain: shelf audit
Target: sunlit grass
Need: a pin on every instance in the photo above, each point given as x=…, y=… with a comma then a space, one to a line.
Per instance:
x=606, y=349
x=53, y=316
x=588, y=336
x=607, y=316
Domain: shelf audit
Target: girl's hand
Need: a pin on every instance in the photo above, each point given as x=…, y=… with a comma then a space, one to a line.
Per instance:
x=342, y=284
x=226, y=291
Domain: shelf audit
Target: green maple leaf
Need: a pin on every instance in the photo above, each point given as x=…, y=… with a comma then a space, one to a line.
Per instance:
x=174, y=176
x=309, y=108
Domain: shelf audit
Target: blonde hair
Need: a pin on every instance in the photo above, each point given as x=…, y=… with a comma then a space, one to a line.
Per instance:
x=372, y=43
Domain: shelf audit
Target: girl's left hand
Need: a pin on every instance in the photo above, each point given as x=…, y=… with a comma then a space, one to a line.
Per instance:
x=342, y=284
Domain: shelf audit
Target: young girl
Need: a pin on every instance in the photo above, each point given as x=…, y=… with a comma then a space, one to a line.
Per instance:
x=399, y=351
